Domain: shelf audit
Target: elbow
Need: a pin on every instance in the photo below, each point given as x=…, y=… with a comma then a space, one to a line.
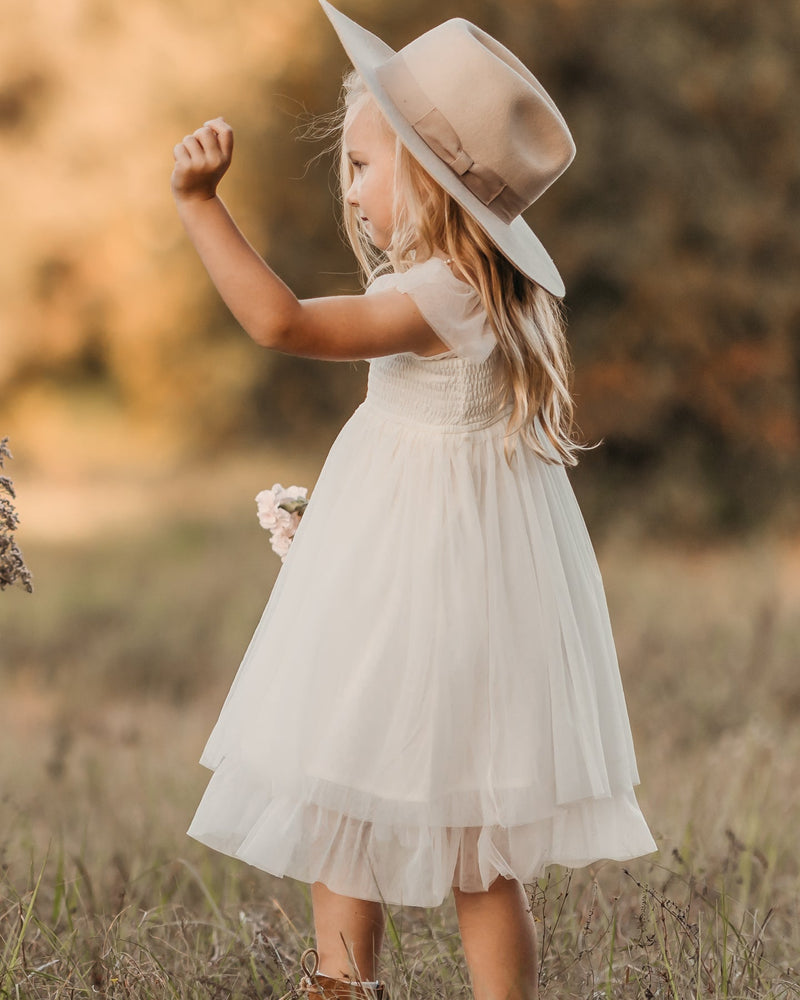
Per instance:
x=276, y=330
x=265, y=335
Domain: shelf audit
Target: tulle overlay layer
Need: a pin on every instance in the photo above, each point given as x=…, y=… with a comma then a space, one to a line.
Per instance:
x=432, y=696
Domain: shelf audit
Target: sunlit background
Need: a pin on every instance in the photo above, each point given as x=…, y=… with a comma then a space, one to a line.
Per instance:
x=143, y=421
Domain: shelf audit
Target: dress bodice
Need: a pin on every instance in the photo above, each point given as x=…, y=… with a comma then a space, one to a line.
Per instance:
x=459, y=390
x=450, y=393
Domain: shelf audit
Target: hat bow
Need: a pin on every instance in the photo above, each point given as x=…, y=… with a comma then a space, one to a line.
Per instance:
x=439, y=135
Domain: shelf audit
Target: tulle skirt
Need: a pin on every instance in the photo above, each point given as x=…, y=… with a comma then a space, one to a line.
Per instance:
x=432, y=697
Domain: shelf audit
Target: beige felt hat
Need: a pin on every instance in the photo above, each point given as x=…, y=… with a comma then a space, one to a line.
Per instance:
x=477, y=120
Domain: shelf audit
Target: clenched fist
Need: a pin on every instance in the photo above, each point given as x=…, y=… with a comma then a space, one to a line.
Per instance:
x=200, y=161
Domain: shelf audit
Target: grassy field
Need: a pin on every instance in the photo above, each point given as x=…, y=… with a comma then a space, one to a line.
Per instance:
x=113, y=673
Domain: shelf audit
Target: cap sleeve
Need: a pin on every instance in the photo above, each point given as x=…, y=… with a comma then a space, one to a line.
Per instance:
x=450, y=307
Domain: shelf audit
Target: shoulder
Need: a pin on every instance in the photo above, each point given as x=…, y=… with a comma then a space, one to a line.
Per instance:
x=434, y=272
x=450, y=306
x=431, y=271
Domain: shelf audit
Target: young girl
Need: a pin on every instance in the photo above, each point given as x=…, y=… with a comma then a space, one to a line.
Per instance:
x=432, y=699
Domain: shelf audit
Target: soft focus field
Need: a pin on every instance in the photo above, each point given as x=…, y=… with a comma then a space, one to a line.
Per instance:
x=114, y=670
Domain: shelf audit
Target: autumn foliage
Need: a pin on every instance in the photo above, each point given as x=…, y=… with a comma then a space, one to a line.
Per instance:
x=677, y=228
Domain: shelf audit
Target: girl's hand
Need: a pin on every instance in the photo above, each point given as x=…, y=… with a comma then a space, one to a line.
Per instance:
x=201, y=160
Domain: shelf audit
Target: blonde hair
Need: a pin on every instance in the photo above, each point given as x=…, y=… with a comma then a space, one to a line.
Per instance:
x=527, y=320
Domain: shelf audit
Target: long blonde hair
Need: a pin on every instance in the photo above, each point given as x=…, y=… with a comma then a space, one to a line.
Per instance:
x=527, y=320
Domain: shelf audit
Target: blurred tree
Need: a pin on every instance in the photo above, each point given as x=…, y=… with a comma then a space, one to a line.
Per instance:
x=676, y=228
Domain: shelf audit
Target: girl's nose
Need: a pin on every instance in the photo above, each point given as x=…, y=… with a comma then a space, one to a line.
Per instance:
x=352, y=196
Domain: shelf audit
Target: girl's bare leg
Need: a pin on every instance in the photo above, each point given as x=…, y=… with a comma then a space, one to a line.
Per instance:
x=360, y=922
x=499, y=939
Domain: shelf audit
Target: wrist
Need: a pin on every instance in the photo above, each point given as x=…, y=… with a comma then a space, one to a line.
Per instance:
x=195, y=206
x=187, y=198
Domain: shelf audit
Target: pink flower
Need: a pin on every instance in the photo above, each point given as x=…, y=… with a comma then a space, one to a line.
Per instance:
x=281, y=539
x=279, y=511
x=268, y=502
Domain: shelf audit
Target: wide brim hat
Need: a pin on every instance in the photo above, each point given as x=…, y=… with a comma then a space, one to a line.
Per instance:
x=477, y=120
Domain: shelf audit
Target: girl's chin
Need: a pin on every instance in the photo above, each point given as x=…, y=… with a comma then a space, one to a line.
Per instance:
x=379, y=240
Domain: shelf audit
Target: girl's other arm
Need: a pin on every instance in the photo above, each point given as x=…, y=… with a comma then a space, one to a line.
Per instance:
x=340, y=327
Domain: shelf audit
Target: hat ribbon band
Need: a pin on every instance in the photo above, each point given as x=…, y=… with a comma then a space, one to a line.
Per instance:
x=439, y=135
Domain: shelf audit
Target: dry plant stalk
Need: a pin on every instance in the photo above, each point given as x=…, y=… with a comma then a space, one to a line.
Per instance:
x=12, y=565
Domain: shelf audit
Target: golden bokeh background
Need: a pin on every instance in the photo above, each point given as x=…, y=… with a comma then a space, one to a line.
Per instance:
x=676, y=229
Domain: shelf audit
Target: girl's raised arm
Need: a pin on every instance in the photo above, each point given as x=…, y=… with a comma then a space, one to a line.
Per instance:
x=344, y=327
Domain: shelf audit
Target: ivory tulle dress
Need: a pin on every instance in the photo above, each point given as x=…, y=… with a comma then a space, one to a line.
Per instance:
x=432, y=696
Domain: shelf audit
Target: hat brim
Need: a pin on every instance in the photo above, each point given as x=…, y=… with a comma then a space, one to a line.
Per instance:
x=515, y=240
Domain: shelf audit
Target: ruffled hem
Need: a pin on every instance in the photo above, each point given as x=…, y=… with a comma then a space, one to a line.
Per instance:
x=407, y=864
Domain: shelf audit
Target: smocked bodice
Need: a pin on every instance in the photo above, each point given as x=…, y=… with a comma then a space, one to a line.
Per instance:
x=449, y=393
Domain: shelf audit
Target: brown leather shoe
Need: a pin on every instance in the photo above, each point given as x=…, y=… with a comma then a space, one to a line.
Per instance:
x=314, y=985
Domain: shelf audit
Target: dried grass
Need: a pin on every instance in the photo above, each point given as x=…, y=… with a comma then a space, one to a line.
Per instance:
x=114, y=684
